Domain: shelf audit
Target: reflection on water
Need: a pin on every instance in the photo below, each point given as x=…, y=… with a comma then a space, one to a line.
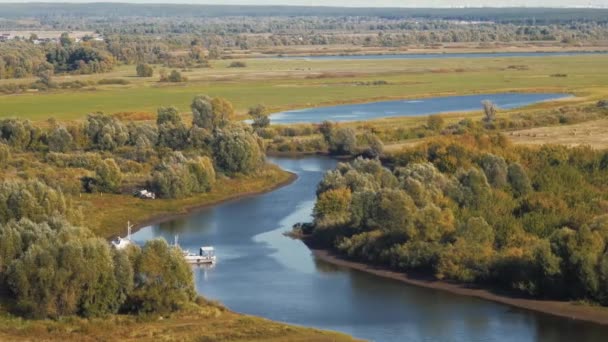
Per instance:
x=262, y=272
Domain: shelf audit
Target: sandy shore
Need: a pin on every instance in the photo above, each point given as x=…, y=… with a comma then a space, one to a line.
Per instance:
x=564, y=309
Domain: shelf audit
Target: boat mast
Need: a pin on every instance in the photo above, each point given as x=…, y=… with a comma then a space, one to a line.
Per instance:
x=129, y=226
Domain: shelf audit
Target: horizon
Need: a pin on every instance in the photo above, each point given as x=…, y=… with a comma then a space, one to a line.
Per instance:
x=417, y=4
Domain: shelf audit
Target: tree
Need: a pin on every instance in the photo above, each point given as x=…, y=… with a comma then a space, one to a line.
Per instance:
x=332, y=208
x=375, y=146
x=144, y=70
x=65, y=40
x=172, y=132
x=105, y=132
x=489, y=111
x=60, y=140
x=108, y=176
x=236, y=150
x=223, y=111
x=202, y=112
x=495, y=169
x=518, y=179
x=343, y=141
x=163, y=279
x=203, y=174
x=57, y=269
x=174, y=77
x=259, y=115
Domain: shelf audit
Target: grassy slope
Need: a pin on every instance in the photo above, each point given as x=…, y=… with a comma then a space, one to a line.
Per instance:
x=202, y=323
x=283, y=84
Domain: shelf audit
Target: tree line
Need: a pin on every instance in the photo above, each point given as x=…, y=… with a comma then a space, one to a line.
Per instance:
x=169, y=156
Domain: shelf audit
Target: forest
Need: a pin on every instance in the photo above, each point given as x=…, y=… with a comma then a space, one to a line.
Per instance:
x=95, y=10
x=475, y=209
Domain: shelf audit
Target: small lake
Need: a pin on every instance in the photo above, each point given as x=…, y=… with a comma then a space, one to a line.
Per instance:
x=448, y=55
x=418, y=107
x=261, y=272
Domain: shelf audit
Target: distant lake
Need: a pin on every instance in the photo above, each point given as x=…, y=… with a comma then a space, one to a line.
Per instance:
x=448, y=55
x=418, y=107
x=262, y=272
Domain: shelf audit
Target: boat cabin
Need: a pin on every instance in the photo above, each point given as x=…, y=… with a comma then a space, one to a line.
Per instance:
x=205, y=255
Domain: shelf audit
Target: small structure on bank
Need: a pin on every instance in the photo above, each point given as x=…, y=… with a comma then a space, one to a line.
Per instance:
x=144, y=194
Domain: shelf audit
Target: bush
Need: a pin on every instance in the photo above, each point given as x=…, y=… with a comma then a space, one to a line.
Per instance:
x=174, y=77
x=5, y=153
x=118, y=81
x=237, y=64
x=144, y=70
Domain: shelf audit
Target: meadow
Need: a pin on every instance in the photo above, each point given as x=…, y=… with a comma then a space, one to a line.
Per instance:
x=284, y=84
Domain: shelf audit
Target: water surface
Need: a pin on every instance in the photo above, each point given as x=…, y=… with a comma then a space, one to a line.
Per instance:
x=448, y=55
x=261, y=272
x=419, y=107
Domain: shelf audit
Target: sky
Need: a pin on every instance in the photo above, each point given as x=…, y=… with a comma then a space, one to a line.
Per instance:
x=372, y=3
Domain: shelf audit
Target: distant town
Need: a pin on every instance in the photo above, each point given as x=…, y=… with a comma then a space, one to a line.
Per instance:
x=40, y=37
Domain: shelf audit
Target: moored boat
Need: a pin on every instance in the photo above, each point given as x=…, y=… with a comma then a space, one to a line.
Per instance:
x=122, y=243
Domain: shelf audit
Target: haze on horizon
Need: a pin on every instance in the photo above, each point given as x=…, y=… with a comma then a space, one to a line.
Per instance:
x=364, y=3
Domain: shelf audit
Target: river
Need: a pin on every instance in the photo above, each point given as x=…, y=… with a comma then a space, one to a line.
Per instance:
x=448, y=55
x=261, y=272
x=416, y=107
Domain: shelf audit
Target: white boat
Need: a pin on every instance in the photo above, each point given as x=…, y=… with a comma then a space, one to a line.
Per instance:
x=205, y=255
x=122, y=243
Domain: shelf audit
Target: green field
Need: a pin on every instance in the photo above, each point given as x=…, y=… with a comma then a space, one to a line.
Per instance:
x=288, y=84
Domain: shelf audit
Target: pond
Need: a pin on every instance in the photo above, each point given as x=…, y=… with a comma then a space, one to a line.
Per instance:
x=418, y=107
x=262, y=272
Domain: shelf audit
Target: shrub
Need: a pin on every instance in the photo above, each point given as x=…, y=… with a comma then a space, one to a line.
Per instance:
x=144, y=70
x=237, y=64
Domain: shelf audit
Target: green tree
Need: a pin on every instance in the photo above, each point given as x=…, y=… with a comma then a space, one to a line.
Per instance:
x=163, y=279
x=60, y=140
x=236, y=150
x=343, y=141
x=108, y=176
x=259, y=116
x=202, y=112
x=172, y=132
x=144, y=70
x=518, y=179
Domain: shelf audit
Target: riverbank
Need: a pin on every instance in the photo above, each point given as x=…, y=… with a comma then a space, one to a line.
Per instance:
x=203, y=321
x=570, y=310
x=107, y=215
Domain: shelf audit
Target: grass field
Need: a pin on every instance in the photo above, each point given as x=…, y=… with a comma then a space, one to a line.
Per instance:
x=591, y=133
x=288, y=84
